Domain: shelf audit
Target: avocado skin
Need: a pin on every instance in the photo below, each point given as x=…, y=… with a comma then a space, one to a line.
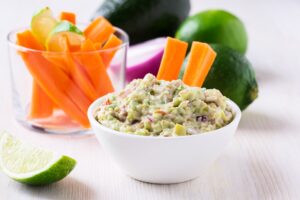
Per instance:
x=145, y=19
x=233, y=75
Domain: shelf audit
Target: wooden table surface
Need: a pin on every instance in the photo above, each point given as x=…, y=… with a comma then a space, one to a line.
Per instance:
x=263, y=160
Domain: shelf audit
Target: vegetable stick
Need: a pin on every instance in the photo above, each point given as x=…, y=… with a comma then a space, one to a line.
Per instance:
x=172, y=59
x=200, y=61
x=81, y=78
x=69, y=16
x=95, y=68
x=41, y=105
x=79, y=75
x=99, y=30
x=59, y=60
x=97, y=46
x=50, y=81
x=112, y=42
x=66, y=62
x=56, y=84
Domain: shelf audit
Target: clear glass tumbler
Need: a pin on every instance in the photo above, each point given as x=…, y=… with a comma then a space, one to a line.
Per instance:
x=51, y=91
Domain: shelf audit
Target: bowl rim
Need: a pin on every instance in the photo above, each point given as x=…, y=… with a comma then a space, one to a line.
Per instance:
x=94, y=122
x=13, y=44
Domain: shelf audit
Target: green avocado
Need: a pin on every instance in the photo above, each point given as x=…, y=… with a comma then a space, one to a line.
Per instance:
x=214, y=26
x=233, y=75
x=145, y=19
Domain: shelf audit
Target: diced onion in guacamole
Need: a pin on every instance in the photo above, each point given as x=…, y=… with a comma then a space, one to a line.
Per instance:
x=152, y=107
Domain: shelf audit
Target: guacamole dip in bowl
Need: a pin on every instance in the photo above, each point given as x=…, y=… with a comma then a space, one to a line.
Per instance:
x=164, y=132
x=152, y=107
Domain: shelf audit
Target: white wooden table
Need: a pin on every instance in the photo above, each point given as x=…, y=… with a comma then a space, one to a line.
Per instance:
x=262, y=162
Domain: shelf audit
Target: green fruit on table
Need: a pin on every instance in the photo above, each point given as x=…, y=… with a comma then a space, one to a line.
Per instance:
x=32, y=165
x=233, y=75
x=215, y=26
x=144, y=19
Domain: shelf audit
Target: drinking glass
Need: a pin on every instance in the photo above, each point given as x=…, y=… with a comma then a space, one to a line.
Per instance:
x=51, y=91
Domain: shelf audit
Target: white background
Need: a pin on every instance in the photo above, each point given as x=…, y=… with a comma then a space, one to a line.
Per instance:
x=262, y=162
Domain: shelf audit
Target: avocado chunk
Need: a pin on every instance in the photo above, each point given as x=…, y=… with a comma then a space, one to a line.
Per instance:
x=143, y=19
x=233, y=75
x=179, y=130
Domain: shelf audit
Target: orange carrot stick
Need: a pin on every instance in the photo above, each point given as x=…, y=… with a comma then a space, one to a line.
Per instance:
x=80, y=76
x=200, y=61
x=58, y=60
x=99, y=30
x=50, y=81
x=95, y=68
x=56, y=84
x=172, y=59
x=112, y=42
x=69, y=16
x=41, y=105
x=66, y=62
x=98, y=46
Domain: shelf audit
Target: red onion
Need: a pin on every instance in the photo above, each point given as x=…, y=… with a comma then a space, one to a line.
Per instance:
x=144, y=58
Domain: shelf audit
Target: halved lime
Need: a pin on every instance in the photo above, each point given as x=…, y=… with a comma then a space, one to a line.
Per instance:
x=42, y=24
x=64, y=29
x=32, y=165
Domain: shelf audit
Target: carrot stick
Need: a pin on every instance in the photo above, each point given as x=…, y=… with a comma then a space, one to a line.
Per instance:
x=69, y=16
x=112, y=42
x=80, y=76
x=99, y=30
x=41, y=105
x=50, y=81
x=200, y=61
x=58, y=60
x=95, y=68
x=66, y=62
x=172, y=59
x=98, y=46
x=56, y=84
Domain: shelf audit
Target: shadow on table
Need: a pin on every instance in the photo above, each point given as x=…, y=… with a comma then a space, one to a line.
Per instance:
x=258, y=121
x=68, y=189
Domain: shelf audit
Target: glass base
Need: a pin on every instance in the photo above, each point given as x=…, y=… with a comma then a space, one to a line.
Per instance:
x=58, y=123
x=45, y=130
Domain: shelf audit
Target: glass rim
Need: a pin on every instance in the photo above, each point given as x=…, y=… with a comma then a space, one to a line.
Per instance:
x=22, y=48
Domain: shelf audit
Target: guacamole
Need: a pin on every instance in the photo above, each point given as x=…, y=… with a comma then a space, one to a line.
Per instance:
x=152, y=107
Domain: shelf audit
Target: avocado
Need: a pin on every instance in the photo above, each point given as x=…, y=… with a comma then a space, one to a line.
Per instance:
x=145, y=19
x=179, y=130
x=215, y=26
x=233, y=75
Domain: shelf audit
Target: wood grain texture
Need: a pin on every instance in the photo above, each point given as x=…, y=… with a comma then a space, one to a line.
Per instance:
x=262, y=162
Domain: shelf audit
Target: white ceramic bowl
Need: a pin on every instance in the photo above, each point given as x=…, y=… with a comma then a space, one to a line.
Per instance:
x=163, y=160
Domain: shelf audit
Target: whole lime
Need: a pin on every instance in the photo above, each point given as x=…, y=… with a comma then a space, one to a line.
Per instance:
x=215, y=26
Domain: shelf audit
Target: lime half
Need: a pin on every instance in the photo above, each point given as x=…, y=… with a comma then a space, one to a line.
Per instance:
x=32, y=165
x=64, y=29
x=42, y=24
